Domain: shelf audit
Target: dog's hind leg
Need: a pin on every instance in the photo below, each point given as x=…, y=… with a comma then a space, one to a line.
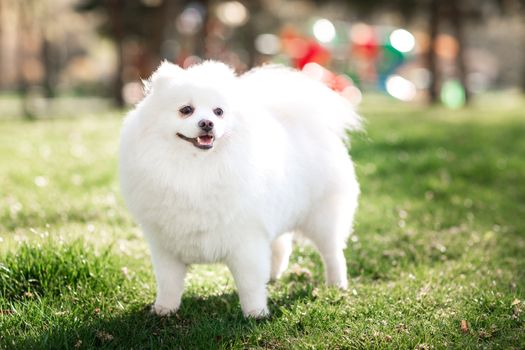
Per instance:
x=249, y=264
x=328, y=227
x=281, y=250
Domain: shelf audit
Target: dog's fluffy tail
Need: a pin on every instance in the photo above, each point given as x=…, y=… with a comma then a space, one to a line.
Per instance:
x=292, y=95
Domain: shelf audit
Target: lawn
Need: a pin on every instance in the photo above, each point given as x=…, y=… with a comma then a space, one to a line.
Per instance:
x=437, y=259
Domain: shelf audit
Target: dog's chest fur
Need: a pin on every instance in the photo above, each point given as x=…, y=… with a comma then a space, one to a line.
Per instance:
x=195, y=217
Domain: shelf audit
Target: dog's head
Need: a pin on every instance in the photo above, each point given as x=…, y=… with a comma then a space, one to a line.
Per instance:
x=191, y=107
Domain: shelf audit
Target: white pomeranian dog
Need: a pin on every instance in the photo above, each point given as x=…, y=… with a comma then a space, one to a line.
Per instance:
x=216, y=167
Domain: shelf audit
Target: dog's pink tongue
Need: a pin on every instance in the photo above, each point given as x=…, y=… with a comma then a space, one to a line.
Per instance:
x=205, y=140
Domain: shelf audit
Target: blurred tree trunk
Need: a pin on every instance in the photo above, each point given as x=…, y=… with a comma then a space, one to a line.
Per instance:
x=24, y=28
x=251, y=35
x=522, y=7
x=456, y=18
x=523, y=79
x=510, y=8
x=249, y=32
x=201, y=36
x=434, y=20
x=115, y=9
x=157, y=36
x=2, y=44
x=47, y=56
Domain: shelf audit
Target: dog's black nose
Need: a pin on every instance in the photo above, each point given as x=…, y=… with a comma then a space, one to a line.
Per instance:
x=206, y=125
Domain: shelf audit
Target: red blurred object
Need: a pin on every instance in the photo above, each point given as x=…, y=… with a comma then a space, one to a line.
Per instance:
x=314, y=53
x=368, y=50
x=335, y=82
x=303, y=50
x=339, y=83
x=365, y=41
x=308, y=55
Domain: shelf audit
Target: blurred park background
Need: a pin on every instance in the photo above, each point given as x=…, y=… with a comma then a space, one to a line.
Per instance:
x=421, y=51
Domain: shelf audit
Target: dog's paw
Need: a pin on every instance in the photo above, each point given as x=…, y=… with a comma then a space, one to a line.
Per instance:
x=342, y=285
x=160, y=310
x=257, y=313
x=338, y=282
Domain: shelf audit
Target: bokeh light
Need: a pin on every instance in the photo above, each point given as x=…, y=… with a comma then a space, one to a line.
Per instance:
x=232, y=13
x=190, y=21
x=324, y=30
x=268, y=44
x=402, y=40
x=400, y=88
x=315, y=71
x=447, y=46
x=453, y=94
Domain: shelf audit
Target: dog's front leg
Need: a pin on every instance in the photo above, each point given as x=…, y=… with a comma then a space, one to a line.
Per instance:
x=169, y=273
x=250, y=266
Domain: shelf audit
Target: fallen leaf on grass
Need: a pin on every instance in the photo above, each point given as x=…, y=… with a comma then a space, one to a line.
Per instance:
x=483, y=334
x=6, y=312
x=516, y=308
x=402, y=328
x=464, y=326
x=104, y=336
x=488, y=333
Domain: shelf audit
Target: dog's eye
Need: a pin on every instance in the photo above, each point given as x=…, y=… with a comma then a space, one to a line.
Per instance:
x=186, y=110
x=218, y=112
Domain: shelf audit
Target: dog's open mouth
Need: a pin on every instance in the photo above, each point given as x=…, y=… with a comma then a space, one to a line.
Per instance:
x=203, y=141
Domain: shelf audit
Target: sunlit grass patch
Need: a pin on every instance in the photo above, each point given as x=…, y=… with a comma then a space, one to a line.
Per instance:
x=39, y=270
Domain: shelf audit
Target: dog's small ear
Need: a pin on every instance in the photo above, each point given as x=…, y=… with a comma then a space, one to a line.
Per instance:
x=166, y=72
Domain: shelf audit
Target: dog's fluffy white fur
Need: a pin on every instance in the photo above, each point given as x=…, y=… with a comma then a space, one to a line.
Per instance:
x=277, y=163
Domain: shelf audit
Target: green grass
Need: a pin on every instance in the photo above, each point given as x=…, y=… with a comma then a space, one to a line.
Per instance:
x=439, y=238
